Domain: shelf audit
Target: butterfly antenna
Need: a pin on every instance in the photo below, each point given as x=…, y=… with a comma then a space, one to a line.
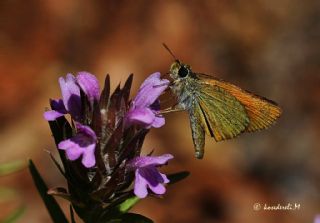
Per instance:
x=167, y=48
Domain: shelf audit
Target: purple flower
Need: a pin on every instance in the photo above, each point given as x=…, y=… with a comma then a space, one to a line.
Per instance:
x=71, y=100
x=317, y=219
x=83, y=143
x=89, y=85
x=147, y=174
x=58, y=110
x=144, y=107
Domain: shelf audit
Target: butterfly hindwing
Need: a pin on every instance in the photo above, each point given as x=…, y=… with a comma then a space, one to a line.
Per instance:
x=224, y=117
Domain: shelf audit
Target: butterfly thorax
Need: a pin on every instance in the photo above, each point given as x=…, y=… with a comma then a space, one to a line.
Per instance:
x=184, y=84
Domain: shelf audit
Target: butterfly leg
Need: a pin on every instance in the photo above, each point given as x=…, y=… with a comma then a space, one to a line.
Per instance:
x=170, y=110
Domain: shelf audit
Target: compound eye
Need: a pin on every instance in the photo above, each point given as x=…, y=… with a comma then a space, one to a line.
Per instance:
x=183, y=72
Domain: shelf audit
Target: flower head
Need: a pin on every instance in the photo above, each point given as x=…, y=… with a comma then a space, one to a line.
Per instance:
x=144, y=107
x=71, y=98
x=83, y=143
x=147, y=174
x=102, y=135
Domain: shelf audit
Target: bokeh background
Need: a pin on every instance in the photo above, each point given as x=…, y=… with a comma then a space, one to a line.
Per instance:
x=270, y=47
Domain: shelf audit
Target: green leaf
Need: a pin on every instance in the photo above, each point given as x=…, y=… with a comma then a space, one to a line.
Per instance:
x=176, y=177
x=52, y=206
x=11, y=167
x=15, y=215
x=131, y=218
x=128, y=204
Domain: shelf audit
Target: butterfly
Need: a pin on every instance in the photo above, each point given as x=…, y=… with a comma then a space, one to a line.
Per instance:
x=217, y=108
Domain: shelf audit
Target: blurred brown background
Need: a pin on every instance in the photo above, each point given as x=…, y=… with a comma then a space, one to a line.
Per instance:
x=270, y=47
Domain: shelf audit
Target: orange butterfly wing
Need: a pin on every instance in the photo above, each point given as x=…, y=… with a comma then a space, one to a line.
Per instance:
x=262, y=112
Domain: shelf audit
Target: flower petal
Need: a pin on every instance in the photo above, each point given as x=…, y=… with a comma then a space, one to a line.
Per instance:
x=71, y=95
x=86, y=130
x=150, y=90
x=152, y=79
x=90, y=86
x=88, y=157
x=158, y=122
x=150, y=174
x=317, y=219
x=144, y=161
x=73, y=150
x=83, y=143
x=58, y=105
x=164, y=178
x=140, y=186
x=52, y=115
x=158, y=188
x=147, y=174
x=155, y=105
x=153, y=178
x=140, y=116
x=58, y=110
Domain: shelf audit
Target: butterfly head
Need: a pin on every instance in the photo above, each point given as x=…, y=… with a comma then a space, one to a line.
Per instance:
x=179, y=70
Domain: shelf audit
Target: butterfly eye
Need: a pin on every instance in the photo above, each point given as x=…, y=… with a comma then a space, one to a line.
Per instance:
x=183, y=72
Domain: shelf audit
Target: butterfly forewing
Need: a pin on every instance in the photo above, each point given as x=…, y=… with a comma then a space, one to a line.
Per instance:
x=261, y=112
